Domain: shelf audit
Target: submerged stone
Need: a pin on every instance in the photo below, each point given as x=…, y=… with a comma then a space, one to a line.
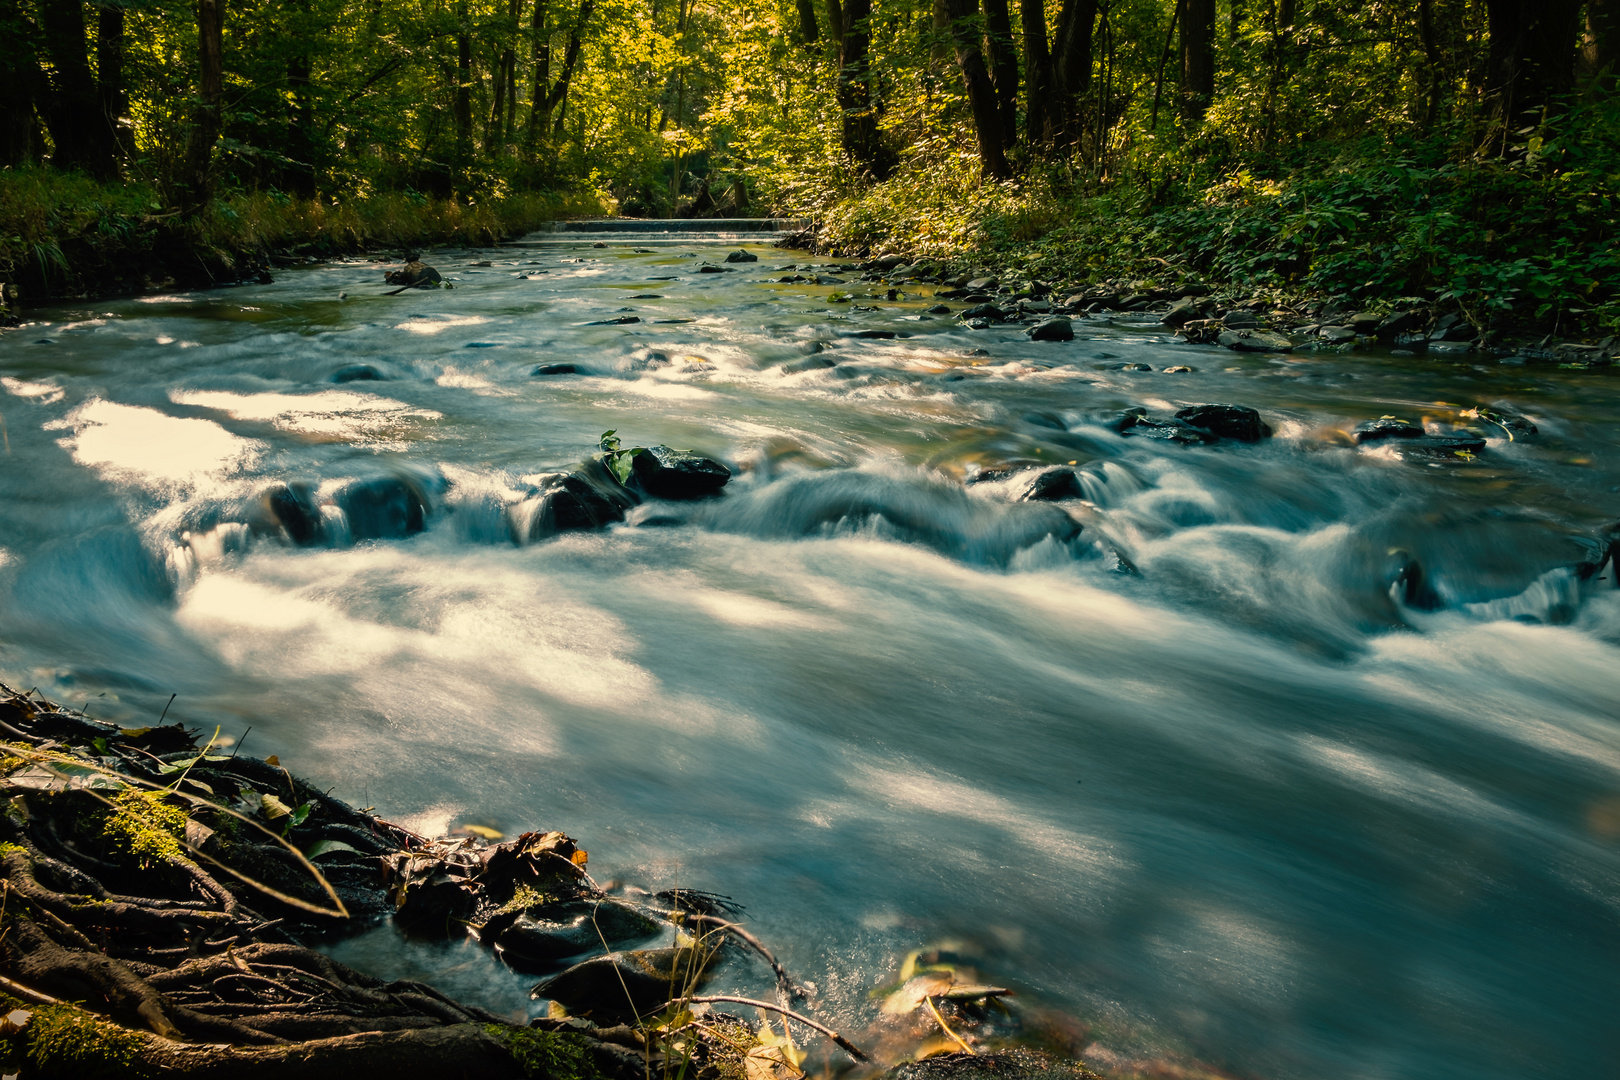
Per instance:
x=537, y=939
x=557, y=369
x=357, y=373
x=384, y=508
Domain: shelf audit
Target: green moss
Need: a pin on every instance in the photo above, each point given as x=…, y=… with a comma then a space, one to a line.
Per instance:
x=62, y=1041
x=146, y=827
x=548, y=1055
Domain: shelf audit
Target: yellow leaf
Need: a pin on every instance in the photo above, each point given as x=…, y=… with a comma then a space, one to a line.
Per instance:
x=484, y=831
x=273, y=807
x=580, y=857
x=273, y=760
x=910, y=995
x=770, y=1063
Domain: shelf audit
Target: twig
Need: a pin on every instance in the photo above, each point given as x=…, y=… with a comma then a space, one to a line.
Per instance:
x=166, y=707
x=784, y=980
x=946, y=1028
x=848, y=1047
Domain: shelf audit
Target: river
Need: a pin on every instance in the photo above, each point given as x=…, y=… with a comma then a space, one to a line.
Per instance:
x=1245, y=806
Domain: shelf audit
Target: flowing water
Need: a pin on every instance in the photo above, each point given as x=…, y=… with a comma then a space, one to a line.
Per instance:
x=1246, y=805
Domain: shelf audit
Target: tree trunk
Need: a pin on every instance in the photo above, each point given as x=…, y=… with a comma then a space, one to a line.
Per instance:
x=540, y=60
x=110, y=74
x=1040, y=125
x=79, y=129
x=1599, y=62
x=1532, y=54
x=19, y=140
x=1197, y=58
x=1003, y=54
x=809, y=32
x=1071, y=59
x=980, y=91
x=205, y=124
x=463, y=96
x=860, y=130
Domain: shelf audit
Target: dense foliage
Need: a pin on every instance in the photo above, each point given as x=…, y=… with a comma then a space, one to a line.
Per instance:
x=1461, y=147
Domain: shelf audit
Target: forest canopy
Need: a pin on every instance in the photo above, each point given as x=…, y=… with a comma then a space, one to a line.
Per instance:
x=1396, y=145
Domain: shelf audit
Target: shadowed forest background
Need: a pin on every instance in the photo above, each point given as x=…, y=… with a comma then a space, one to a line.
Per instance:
x=1445, y=149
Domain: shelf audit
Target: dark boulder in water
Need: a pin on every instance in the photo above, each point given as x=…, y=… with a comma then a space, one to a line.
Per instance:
x=676, y=474
x=557, y=369
x=1237, y=422
x=414, y=272
x=809, y=363
x=1386, y=427
x=384, y=508
x=619, y=987
x=1457, y=445
x=294, y=508
x=1057, y=482
x=1058, y=329
x=535, y=940
x=357, y=373
x=587, y=498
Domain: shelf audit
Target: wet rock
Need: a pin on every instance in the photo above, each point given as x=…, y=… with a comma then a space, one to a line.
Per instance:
x=294, y=508
x=980, y=284
x=983, y=311
x=414, y=272
x=536, y=939
x=1121, y=366
x=620, y=987
x=1240, y=320
x=1365, y=322
x=587, y=498
x=1444, y=447
x=356, y=373
x=1238, y=422
x=1058, y=329
x=1036, y=307
x=1057, y=482
x=809, y=363
x=1254, y=341
x=1385, y=427
x=1515, y=425
x=384, y=508
x=741, y=256
x=622, y=320
x=1135, y=421
x=939, y=309
x=708, y=268
x=1337, y=335
x=557, y=369
x=1180, y=369
x=676, y=474
x=1398, y=322
x=1182, y=311
x=879, y=335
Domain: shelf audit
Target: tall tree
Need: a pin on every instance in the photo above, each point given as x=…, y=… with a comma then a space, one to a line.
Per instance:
x=1071, y=56
x=1532, y=54
x=860, y=128
x=809, y=32
x=463, y=94
x=1040, y=78
x=981, y=92
x=1600, y=44
x=549, y=99
x=998, y=40
x=206, y=119
x=1197, y=58
x=19, y=74
x=80, y=130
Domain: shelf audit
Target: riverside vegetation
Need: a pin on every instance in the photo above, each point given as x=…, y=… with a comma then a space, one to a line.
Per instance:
x=1455, y=153
x=160, y=901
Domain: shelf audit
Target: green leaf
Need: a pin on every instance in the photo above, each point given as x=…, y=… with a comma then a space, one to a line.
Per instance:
x=300, y=814
x=328, y=847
